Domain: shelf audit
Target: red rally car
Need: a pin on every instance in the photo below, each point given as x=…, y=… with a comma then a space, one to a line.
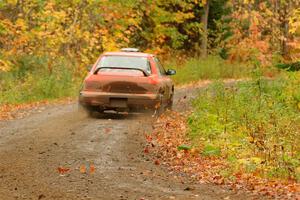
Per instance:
x=127, y=81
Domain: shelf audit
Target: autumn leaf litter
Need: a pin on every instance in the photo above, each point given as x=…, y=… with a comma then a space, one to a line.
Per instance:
x=172, y=148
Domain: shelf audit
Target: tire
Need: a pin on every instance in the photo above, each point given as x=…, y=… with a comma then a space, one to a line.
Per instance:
x=170, y=103
x=160, y=109
x=88, y=110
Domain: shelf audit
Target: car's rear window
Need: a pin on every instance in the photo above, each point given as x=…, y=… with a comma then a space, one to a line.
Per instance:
x=125, y=62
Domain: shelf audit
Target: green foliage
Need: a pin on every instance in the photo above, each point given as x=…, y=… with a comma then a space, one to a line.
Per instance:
x=184, y=147
x=210, y=150
x=177, y=24
x=213, y=67
x=255, y=124
x=31, y=81
x=290, y=66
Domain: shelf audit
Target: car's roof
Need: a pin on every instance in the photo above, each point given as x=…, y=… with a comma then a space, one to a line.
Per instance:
x=122, y=53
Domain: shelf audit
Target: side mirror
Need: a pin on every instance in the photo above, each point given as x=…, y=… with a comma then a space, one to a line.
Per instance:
x=89, y=68
x=171, y=72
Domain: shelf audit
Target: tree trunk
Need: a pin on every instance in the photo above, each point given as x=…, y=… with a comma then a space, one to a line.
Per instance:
x=285, y=29
x=204, y=21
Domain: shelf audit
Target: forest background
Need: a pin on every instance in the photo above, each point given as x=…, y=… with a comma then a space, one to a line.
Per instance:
x=45, y=46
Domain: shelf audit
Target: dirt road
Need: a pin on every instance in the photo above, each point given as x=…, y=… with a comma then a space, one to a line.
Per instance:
x=47, y=156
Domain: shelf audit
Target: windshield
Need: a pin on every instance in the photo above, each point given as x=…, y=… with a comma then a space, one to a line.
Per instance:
x=125, y=62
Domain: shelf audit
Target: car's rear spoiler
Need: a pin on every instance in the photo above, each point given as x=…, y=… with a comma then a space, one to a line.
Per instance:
x=144, y=72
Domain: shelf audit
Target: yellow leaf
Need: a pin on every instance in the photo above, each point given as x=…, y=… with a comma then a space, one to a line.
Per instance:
x=5, y=65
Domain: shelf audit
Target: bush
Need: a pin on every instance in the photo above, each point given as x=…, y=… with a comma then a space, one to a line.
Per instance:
x=33, y=79
x=290, y=66
x=213, y=67
x=254, y=123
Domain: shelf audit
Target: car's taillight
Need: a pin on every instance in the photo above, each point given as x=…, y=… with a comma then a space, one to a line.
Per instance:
x=91, y=85
x=153, y=80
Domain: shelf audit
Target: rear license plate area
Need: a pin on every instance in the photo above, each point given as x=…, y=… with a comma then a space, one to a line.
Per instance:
x=118, y=102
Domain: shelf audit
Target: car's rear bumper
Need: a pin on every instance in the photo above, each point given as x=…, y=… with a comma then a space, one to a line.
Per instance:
x=106, y=100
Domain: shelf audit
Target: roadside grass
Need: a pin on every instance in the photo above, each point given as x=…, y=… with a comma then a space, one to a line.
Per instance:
x=254, y=125
x=213, y=67
x=33, y=79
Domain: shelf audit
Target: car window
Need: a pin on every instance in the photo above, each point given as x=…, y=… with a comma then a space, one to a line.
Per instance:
x=117, y=71
x=131, y=62
x=158, y=64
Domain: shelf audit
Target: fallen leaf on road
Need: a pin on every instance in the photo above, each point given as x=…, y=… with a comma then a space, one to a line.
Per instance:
x=92, y=169
x=82, y=169
x=146, y=150
x=156, y=162
x=63, y=170
x=148, y=138
x=107, y=130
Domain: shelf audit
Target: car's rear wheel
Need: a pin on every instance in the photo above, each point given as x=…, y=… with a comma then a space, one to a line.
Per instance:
x=170, y=103
x=159, y=108
x=89, y=110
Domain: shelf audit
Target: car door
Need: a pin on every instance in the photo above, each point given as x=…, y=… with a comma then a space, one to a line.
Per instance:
x=165, y=81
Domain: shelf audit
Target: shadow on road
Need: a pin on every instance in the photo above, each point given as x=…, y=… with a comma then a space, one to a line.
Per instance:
x=121, y=116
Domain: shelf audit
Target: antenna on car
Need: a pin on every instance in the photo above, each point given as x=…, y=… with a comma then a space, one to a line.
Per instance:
x=130, y=50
